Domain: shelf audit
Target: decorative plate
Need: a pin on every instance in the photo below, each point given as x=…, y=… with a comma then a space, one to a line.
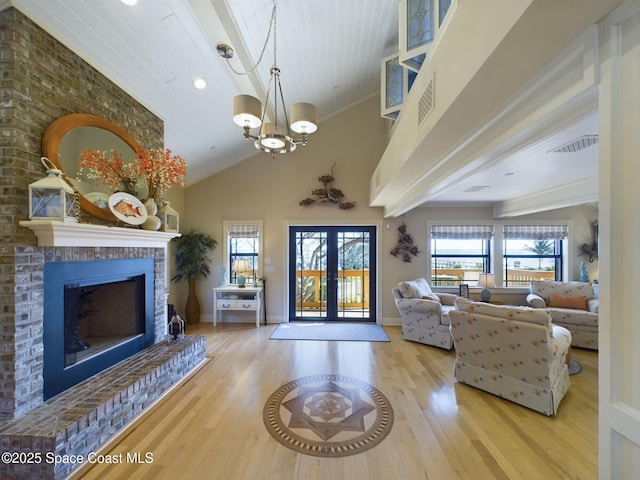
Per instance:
x=127, y=208
x=98, y=198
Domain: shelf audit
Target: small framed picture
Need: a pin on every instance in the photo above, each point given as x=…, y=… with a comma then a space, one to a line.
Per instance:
x=464, y=290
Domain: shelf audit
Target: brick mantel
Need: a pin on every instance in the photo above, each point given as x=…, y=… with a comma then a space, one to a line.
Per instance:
x=53, y=233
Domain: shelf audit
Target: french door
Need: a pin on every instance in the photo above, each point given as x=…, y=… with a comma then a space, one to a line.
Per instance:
x=332, y=273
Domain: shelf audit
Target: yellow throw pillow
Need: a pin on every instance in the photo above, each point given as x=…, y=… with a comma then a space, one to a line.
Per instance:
x=561, y=301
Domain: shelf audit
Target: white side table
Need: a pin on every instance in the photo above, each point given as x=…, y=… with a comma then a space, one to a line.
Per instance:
x=234, y=298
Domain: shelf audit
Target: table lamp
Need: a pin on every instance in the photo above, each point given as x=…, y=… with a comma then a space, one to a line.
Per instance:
x=241, y=267
x=486, y=281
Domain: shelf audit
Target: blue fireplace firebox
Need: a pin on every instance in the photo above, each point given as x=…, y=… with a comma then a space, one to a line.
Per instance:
x=96, y=313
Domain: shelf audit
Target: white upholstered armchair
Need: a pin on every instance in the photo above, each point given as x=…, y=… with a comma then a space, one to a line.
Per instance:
x=424, y=314
x=513, y=352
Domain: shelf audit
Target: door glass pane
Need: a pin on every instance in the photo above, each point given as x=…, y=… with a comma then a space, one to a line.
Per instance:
x=311, y=274
x=353, y=274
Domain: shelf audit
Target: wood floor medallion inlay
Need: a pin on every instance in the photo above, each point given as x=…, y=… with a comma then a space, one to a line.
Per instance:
x=328, y=416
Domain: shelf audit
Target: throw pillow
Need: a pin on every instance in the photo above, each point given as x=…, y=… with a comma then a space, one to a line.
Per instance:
x=536, y=301
x=432, y=296
x=414, y=288
x=576, y=302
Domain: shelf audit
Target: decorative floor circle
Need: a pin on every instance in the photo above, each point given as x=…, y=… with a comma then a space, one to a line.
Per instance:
x=328, y=416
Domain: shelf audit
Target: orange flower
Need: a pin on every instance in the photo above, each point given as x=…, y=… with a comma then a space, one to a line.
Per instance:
x=106, y=168
x=157, y=168
x=161, y=170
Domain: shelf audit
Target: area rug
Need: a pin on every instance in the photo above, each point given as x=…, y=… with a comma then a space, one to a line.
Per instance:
x=574, y=367
x=328, y=416
x=358, y=332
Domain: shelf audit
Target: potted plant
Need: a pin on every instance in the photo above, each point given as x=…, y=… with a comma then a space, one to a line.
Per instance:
x=192, y=263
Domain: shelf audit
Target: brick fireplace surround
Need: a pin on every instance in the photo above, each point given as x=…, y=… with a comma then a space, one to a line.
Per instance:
x=42, y=80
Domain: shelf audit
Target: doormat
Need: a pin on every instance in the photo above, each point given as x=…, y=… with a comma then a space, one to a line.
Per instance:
x=328, y=416
x=357, y=332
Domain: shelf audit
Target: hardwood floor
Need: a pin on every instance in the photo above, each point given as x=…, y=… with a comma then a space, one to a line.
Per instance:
x=211, y=426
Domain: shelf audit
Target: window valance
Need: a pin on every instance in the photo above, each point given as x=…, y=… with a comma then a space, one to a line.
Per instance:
x=535, y=232
x=462, y=232
x=243, y=231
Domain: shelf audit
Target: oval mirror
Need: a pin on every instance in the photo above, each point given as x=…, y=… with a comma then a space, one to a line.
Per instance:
x=67, y=136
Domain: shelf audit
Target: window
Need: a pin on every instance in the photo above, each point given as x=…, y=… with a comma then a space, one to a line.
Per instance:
x=460, y=253
x=420, y=24
x=243, y=250
x=532, y=252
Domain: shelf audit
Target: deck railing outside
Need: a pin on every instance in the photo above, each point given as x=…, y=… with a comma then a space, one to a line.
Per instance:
x=469, y=276
x=353, y=289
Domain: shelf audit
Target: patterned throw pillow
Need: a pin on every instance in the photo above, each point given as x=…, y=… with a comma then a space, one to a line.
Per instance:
x=414, y=288
x=576, y=302
x=432, y=296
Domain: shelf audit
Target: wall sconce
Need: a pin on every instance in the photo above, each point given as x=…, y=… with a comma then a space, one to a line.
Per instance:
x=52, y=198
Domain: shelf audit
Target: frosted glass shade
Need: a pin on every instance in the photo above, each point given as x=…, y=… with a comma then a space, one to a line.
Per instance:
x=272, y=137
x=247, y=111
x=304, y=118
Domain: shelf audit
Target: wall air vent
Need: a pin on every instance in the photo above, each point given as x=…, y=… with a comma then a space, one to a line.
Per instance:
x=427, y=100
x=576, y=145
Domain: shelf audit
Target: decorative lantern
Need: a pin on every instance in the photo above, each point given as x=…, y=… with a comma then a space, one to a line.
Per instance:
x=176, y=327
x=169, y=218
x=51, y=198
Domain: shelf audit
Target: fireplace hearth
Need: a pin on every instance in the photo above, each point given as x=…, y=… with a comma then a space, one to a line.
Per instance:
x=97, y=313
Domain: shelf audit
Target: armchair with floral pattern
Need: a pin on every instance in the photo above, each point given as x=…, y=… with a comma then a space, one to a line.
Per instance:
x=424, y=313
x=513, y=352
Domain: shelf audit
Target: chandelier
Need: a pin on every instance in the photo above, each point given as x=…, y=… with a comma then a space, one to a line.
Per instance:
x=249, y=113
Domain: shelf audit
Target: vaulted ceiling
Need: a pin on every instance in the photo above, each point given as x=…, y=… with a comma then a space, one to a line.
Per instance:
x=329, y=53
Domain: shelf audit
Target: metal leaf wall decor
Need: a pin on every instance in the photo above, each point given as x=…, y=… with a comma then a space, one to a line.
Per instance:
x=328, y=194
x=405, y=247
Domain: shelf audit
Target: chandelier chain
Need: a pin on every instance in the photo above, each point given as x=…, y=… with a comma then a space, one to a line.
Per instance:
x=272, y=28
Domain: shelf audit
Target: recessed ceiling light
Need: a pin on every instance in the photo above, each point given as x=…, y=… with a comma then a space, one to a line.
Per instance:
x=129, y=2
x=200, y=83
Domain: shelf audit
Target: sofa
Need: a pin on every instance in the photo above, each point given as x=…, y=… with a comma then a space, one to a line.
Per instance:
x=516, y=353
x=572, y=305
x=424, y=313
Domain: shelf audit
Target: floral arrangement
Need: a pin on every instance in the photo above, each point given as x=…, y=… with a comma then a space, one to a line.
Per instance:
x=161, y=170
x=108, y=169
x=158, y=169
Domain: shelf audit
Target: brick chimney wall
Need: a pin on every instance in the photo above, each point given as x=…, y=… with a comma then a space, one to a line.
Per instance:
x=42, y=80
